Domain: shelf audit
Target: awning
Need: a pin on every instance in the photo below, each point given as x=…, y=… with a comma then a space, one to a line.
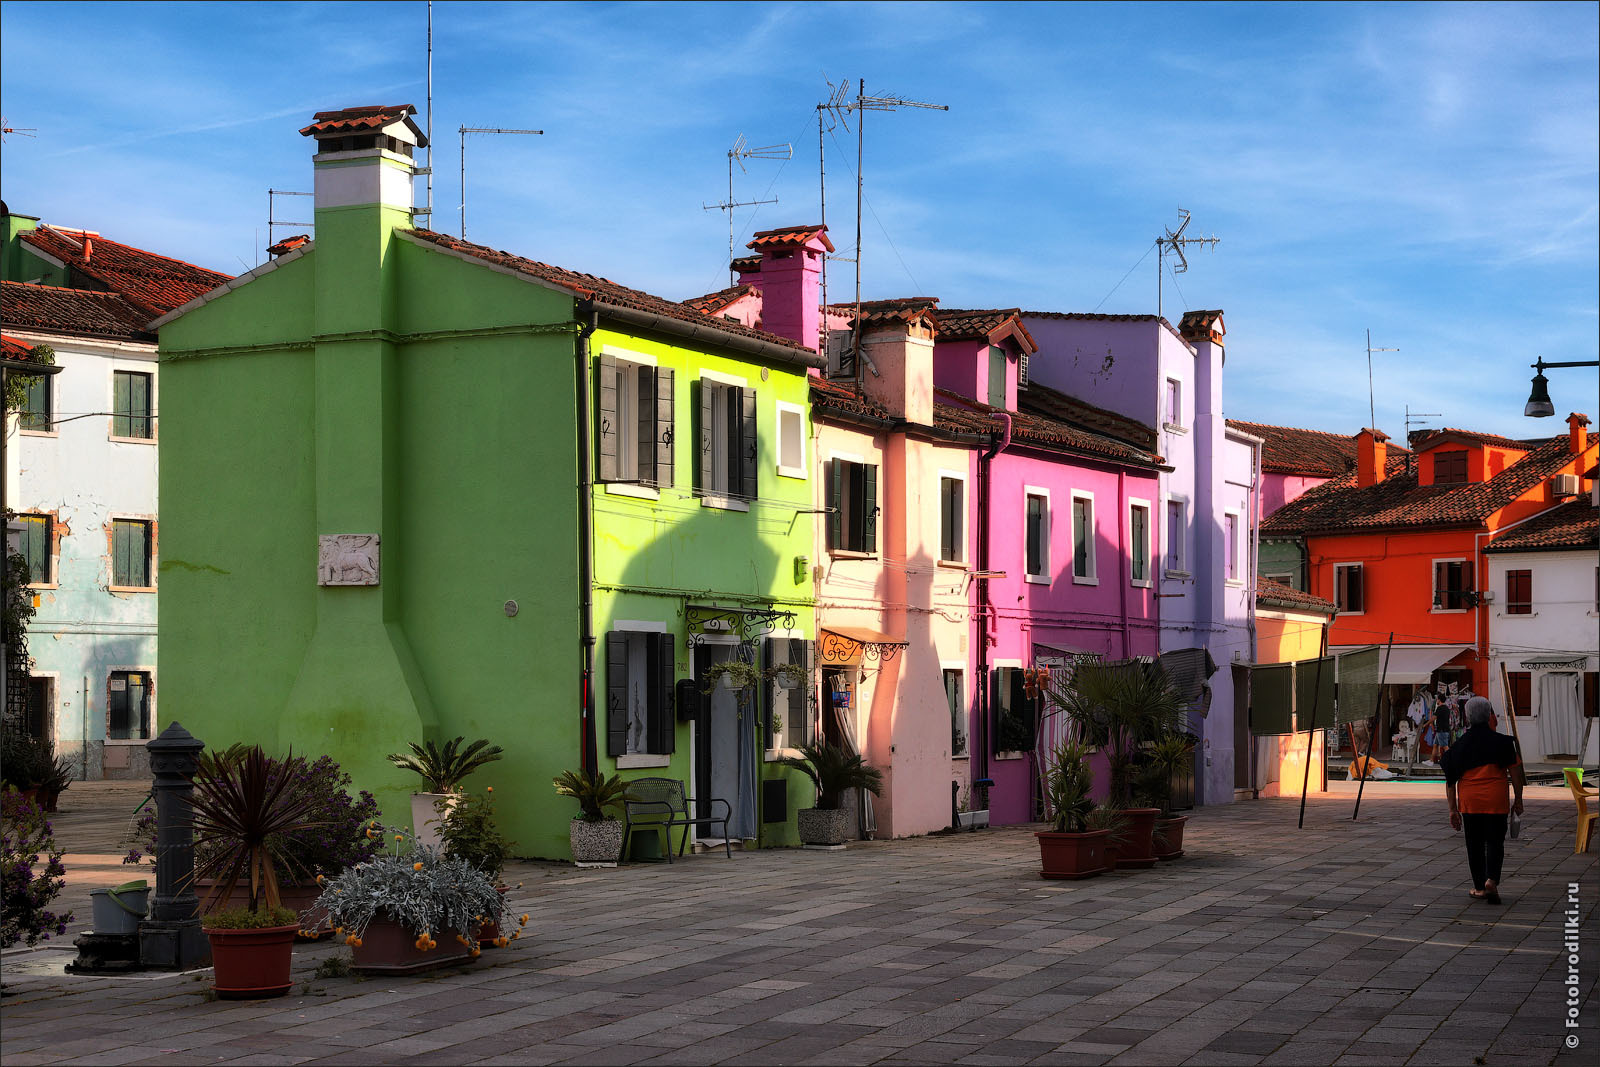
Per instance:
x=845, y=644
x=1554, y=663
x=1409, y=664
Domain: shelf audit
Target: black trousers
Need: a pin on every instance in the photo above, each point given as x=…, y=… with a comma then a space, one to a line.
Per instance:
x=1486, y=846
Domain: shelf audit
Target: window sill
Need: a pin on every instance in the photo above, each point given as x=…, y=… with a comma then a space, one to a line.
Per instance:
x=1010, y=755
x=131, y=440
x=773, y=755
x=1519, y=614
x=1448, y=611
x=1140, y=583
x=130, y=589
x=1233, y=583
x=632, y=489
x=850, y=553
x=1340, y=613
x=1085, y=580
x=1172, y=427
x=42, y=586
x=1036, y=579
x=1176, y=574
x=39, y=433
x=798, y=473
x=127, y=740
x=723, y=503
x=641, y=761
x=953, y=564
x=961, y=757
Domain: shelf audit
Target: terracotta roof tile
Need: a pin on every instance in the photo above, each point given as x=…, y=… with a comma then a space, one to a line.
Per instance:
x=12, y=348
x=1398, y=501
x=829, y=395
x=589, y=286
x=973, y=325
x=1573, y=525
x=1053, y=420
x=1312, y=453
x=156, y=283
x=1422, y=440
x=368, y=117
x=712, y=303
x=83, y=312
x=746, y=265
x=1200, y=325
x=1094, y=316
x=289, y=244
x=901, y=309
x=1277, y=594
x=789, y=237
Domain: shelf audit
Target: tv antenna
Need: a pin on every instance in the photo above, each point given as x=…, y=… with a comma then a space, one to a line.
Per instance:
x=273, y=222
x=477, y=129
x=1416, y=418
x=842, y=106
x=835, y=108
x=740, y=152
x=1172, y=243
x=427, y=210
x=20, y=131
x=1371, y=409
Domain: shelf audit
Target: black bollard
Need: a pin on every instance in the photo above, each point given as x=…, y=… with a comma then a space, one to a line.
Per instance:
x=171, y=938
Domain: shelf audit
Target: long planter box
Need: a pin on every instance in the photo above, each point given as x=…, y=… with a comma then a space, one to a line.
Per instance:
x=389, y=948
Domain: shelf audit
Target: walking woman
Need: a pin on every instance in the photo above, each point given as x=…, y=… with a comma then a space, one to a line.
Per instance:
x=1481, y=771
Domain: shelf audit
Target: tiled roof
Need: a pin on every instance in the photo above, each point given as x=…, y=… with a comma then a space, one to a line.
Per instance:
x=83, y=312
x=901, y=309
x=1312, y=453
x=746, y=265
x=1287, y=596
x=972, y=325
x=1055, y=404
x=156, y=283
x=12, y=348
x=1398, y=501
x=829, y=395
x=1094, y=316
x=712, y=303
x=1422, y=440
x=589, y=286
x=790, y=237
x=1574, y=524
x=289, y=244
x=355, y=119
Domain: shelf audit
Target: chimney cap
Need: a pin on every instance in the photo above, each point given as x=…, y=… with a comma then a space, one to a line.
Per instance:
x=366, y=118
x=747, y=264
x=1578, y=418
x=1202, y=326
x=1377, y=435
x=790, y=237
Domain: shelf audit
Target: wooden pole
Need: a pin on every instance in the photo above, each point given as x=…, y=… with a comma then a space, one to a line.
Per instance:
x=1311, y=732
x=1511, y=713
x=1383, y=678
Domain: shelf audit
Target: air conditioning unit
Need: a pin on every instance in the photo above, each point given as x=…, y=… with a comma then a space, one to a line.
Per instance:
x=1487, y=596
x=1566, y=485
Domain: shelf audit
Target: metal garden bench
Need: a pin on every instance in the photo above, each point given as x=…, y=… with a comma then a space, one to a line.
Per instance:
x=660, y=804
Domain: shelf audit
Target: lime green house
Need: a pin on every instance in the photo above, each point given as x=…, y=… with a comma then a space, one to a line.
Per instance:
x=414, y=488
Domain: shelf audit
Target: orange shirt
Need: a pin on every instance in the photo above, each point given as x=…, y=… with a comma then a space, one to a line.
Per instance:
x=1485, y=790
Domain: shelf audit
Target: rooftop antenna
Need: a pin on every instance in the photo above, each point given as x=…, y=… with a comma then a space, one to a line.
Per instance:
x=20, y=131
x=1417, y=418
x=427, y=210
x=272, y=218
x=862, y=104
x=1371, y=408
x=740, y=152
x=1172, y=242
x=478, y=129
x=834, y=108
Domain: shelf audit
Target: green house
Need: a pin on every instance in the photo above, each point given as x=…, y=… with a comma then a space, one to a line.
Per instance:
x=414, y=488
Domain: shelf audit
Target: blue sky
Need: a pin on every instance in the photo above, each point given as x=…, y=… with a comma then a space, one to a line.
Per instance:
x=1425, y=171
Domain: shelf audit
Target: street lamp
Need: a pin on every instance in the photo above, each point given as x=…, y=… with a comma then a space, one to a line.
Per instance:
x=1539, y=405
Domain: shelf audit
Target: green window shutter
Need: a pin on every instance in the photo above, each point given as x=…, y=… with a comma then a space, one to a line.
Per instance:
x=36, y=546
x=664, y=429
x=120, y=537
x=616, y=693
x=769, y=691
x=997, y=377
x=749, y=444
x=947, y=519
x=607, y=422
x=121, y=404
x=835, y=503
x=660, y=729
x=869, y=507
x=139, y=424
x=36, y=405
x=644, y=418
x=706, y=396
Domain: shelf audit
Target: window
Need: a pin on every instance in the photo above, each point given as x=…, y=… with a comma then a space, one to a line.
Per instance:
x=1176, y=522
x=36, y=404
x=853, y=507
x=1521, y=694
x=41, y=706
x=636, y=416
x=36, y=548
x=1036, y=525
x=1449, y=468
x=1083, y=565
x=791, y=441
x=1139, y=535
x=955, y=698
x=1173, y=411
x=130, y=554
x=128, y=706
x=639, y=680
x=728, y=449
x=131, y=412
x=952, y=519
x=1230, y=546
x=1591, y=694
x=997, y=377
x=1452, y=585
x=1349, y=580
x=1519, y=592
x=1014, y=713
x=787, y=723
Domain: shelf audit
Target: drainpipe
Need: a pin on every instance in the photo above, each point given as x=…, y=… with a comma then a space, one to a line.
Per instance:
x=590, y=750
x=1123, y=577
x=998, y=444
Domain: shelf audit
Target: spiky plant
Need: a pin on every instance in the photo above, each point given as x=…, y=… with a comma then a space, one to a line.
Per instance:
x=445, y=768
x=243, y=815
x=595, y=793
x=833, y=769
x=1067, y=780
x=1119, y=707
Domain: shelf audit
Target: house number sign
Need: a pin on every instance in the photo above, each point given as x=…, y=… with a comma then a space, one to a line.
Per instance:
x=347, y=559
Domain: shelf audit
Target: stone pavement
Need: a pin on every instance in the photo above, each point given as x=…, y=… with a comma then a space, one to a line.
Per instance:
x=1343, y=943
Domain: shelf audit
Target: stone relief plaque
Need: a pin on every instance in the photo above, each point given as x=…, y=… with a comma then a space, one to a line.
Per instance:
x=347, y=559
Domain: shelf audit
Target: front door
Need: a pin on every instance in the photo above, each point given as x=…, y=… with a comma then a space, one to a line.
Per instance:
x=725, y=748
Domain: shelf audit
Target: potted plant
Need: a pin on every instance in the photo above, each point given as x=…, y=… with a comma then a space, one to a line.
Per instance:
x=596, y=837
x=1163, y=760
x=1071, y=848
x=410, y=910
x=833, y=769
x=443, y=769
x=26, y=892
x=968, y=817
x=57, y=777
x=242, y=814
x=470, y=833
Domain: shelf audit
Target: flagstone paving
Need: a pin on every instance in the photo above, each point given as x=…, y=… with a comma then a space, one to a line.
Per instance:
x=1342, y=943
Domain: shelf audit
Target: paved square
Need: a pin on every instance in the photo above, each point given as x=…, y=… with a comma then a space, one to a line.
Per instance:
x=1343, y=943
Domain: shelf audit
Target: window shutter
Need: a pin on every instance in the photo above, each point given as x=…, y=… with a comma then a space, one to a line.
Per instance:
x=836, y=504
x=869, y=507
x=1467, y=584
x=616, y=693
x=947, y=536
x=120, y=404
x=660, y=729
x=139, y=404
x=749, y=444
x=644, y=418
x=119, y=553
x=707, y=397
x=139, y=552
x=664, y=429
x=1357, y=588
x=607, y=429
x=1439, y=597
x=770, y=696
x=810, y=702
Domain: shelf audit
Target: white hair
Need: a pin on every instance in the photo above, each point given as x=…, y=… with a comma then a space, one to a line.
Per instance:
x=1479, y=710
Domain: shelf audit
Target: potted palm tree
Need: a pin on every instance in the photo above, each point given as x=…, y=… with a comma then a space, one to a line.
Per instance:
x=1072, y=847
x=833, y=769
x=443, y=769
x=1162, y=761
x=596, y=837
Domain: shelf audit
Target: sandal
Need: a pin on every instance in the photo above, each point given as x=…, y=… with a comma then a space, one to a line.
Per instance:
x=1491, y=892
x=1477, y=894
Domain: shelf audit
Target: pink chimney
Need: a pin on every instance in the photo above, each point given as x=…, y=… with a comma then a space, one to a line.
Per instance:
x=789, y=278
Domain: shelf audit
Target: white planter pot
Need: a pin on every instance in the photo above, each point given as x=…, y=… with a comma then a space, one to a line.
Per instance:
x=822, y=826
x=425, y=818
x=596, y=844
x=966, y=820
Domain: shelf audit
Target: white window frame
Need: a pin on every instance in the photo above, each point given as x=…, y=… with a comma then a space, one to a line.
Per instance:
x=105, y=718
x=632, y=487
x=960, y=666
x=1233, y=549
x=1436, y=602
x=53, y=712
x=52, y=427
x=714, y=497
x=1182, y=569
x=1093, y=577
x=779, y=751
x=961, y=559
x=1006, y=754
x=1136, y=503
x=783, y=408
x=1172, y=391
x=640, y=760
x=1357, y=565
x=1041, y=578
x=130, y=366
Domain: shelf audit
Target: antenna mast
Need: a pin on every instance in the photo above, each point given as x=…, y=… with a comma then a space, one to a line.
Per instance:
x=429, y=169
x=740, y=152
x=476, y=129
x=1371, y=407
x=20, y=131
x=1173, y=242
x=835, y=106
x=273, y=221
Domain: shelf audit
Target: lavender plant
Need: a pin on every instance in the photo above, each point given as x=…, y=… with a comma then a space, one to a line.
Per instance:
x=25, y=894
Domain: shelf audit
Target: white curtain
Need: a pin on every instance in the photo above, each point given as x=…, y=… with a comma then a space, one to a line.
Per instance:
x=1560, y=713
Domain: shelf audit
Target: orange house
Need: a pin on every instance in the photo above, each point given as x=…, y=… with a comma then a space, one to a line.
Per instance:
x=1397, y=544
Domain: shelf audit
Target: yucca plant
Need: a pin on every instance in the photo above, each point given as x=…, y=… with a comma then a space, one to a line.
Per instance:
x=445, y=768
x=1119, y=707
x=1067, y=780
x=835, y=769
x=595, y=793
x=243, y=814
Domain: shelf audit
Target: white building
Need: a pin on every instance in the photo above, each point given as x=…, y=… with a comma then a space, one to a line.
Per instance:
x=80, y=466
x=1544, y=629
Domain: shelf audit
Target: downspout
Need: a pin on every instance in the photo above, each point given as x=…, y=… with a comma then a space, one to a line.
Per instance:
x=998, y=443
x=1250, y=599
x=1123, y=576
x=589, y=753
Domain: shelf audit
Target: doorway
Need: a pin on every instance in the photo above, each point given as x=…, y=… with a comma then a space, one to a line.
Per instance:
x=725, y=745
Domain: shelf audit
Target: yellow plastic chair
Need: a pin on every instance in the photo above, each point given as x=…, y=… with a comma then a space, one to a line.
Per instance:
x=1586, y=818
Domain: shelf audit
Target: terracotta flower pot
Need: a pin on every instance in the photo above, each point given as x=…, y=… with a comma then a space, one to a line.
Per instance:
x=1069, y=855
x=1168, y=841
x=1134, y=850
x=251, y=964
x=389, y=948
x=302, y=898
